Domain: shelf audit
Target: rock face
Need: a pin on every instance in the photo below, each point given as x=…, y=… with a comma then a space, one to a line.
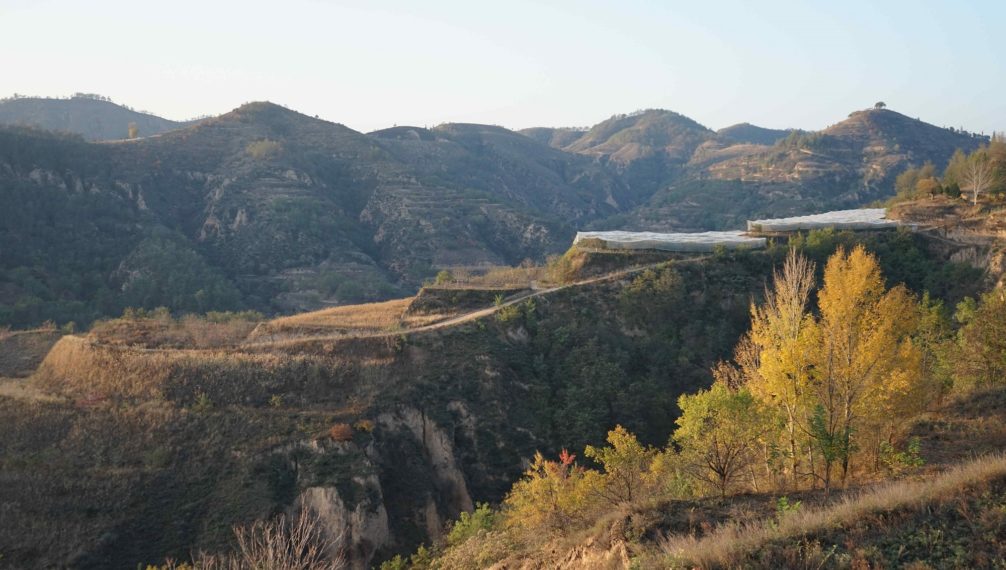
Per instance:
x=353, y=534
x=440, y=452
x=349, y=502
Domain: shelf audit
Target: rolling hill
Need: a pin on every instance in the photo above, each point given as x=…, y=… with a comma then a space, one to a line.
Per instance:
x=90, y=116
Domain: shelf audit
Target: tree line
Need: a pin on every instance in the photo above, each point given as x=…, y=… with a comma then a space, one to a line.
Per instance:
x=975, y=175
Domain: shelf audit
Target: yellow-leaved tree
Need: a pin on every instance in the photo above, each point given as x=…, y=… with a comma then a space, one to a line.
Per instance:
x=626, y=463
x=552, y=496
x=866, y=369
x=784, y=335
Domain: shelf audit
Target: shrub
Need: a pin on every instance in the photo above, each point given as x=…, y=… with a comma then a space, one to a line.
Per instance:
x=508, y=313
x=290, y=544
x=341, y=432
x=443, y=277
x=552, y=497
x=263, y=149
x=364, y=426
x=470, y=524
x=202, y=404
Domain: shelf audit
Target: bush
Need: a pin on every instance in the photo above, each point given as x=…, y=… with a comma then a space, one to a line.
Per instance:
x=264, y=148
x=443, y=277
x=470, y=524
x=341, y=432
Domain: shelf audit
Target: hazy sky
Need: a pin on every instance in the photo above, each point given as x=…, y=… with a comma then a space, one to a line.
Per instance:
x=372, y=63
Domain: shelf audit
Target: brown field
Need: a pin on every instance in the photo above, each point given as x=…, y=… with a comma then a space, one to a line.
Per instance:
x=189, y=331
x=368, y=316
x=348, y=320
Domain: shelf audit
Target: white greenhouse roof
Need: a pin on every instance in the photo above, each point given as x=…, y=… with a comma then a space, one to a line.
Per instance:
x=863, y=219
x=703, y=241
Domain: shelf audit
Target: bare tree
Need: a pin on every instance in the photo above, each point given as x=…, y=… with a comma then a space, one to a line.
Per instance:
x=978, y=176
x=282, y=543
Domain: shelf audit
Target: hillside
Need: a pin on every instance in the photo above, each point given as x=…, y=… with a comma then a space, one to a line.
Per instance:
x=93, y=118
x=753, y=134
x=388, y=419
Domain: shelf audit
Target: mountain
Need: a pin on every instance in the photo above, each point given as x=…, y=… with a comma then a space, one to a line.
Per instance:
x=275, y=210
x=554, y=137
x=265, y=208
x=844, y=166
x=90, y=116
x=753, y=134
x=648, y=149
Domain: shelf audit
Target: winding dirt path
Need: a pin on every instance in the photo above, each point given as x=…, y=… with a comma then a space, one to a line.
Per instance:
x=467, y=317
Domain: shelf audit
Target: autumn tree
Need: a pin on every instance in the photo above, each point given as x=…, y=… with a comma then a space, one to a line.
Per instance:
x=552, y=496
x=625, y=463
x=866, y=368
x=133, y=131
x=719, y=432
x=783, y=333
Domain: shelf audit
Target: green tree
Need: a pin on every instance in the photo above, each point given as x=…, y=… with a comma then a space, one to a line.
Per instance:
x=719, y=433
x=979, y=355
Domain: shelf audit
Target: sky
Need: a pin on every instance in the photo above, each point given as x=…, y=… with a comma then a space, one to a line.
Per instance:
x=371, y=64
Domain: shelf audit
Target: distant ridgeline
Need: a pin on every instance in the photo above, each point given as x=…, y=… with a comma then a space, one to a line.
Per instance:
x=268, y=209
x=863, y=219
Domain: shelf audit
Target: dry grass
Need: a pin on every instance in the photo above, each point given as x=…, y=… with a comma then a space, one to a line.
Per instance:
x=725, y=546
x=368, y=316
x=187, y=332
x=348, y=320
x=19, y=389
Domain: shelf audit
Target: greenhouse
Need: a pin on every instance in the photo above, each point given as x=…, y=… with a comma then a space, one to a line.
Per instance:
x=683, y=242
x=863, y=219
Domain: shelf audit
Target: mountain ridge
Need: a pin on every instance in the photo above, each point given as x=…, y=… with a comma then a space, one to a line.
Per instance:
x=280, y=211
